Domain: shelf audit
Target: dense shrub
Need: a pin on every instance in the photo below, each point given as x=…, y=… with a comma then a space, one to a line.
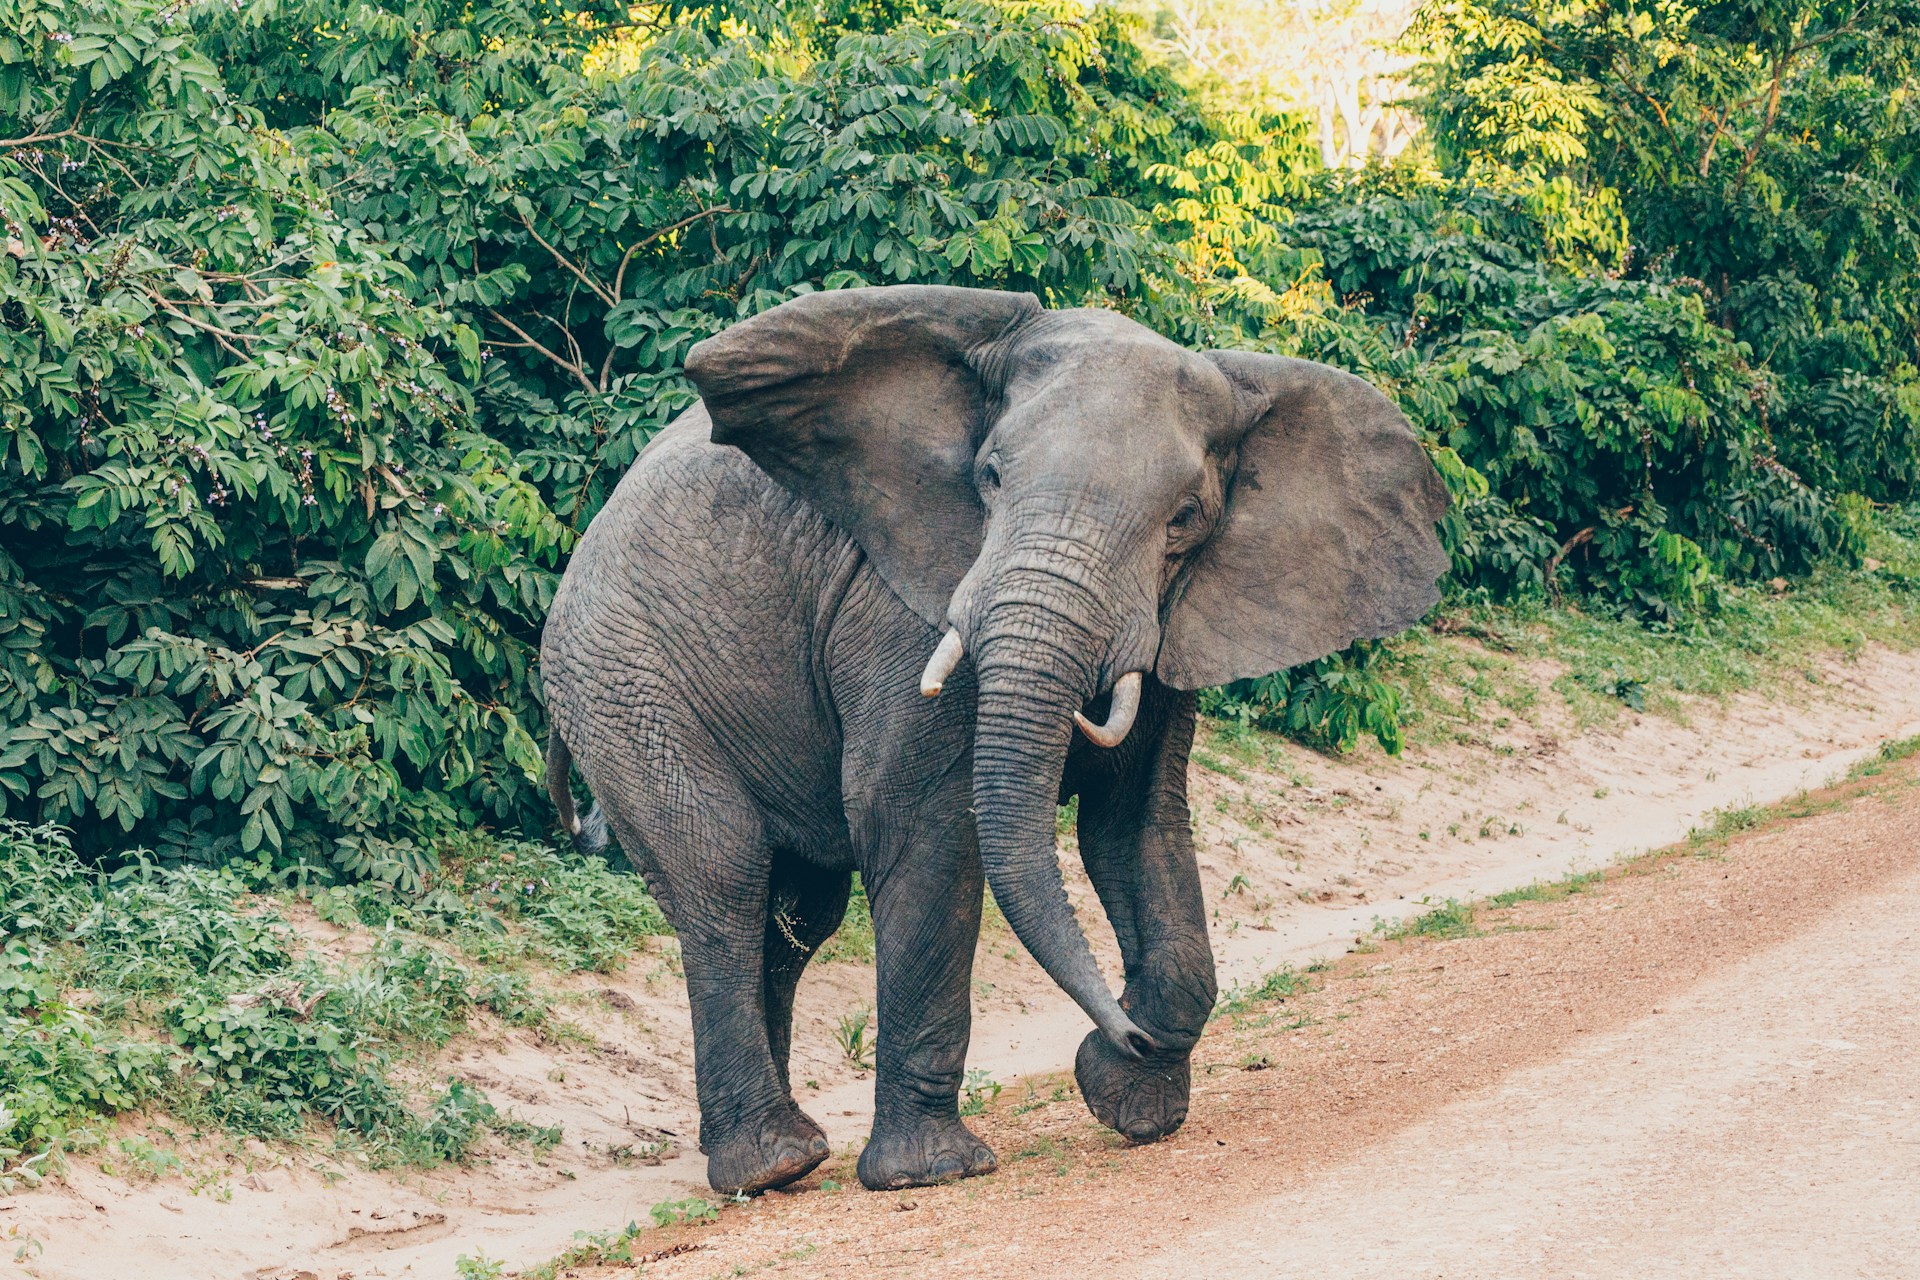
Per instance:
x=260, y=1036
x=330, y=323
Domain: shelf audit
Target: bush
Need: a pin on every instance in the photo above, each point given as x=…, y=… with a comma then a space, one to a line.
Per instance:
x=330, y=323
x=260, y=1037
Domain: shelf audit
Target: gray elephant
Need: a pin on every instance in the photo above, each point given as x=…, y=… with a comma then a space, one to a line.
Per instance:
x=1081, y=522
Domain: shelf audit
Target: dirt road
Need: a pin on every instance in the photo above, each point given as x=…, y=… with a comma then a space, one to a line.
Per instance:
x=1309, y=1164
x=1706, y=1065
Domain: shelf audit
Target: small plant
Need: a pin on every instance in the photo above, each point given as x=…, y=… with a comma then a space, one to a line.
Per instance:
x=692, y=1209
x=596, y=1249
x=146, y=1162
x=1729, y=822
x=1548, y=890
x=1629, y=690
x=1281, y=983
x=478, y=1267
x=26, y=1245
x=1890, y=751
x=1451, y=919
x=979, y=1091
x=852, y=1037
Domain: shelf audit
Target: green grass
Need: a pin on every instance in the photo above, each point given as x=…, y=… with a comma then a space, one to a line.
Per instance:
x=189, y=988
x=1277, y=985
x=1451, y=919
x=1460, y=918
x=596, y=1249
x=853, y=940
x=693, y=1209
x=1876, y=764
x=1547, y=890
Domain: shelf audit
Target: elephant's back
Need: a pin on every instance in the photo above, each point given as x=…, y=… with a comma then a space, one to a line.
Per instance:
x=694, y=605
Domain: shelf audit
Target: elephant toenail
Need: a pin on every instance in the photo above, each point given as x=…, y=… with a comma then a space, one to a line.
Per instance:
x=948, y=1166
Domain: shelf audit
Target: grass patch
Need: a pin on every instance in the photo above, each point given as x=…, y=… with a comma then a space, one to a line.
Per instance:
x=853, y=940
x=1451, y=919
x=1730, y=821
x=1278, y=985
x=693, y=1209
x=1889, y=752
x=1547, y=890
x=596, y=1249
x=189, y=988
x=1440, y=691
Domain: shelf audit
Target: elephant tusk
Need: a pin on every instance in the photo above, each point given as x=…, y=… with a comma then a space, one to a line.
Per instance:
x=945, y=658
x=1126, y=703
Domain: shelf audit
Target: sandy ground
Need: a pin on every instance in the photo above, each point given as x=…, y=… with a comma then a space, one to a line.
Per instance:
x=1299, y=852
x=1709, y=1065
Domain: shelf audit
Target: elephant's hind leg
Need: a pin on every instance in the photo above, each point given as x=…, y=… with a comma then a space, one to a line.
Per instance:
x=708, y=841
x=806, y=905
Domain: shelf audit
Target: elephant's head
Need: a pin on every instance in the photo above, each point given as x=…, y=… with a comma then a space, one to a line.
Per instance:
x=1080, y=503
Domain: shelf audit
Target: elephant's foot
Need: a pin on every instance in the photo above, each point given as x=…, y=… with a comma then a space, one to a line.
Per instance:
x=1141, y=1101
x=922, y=1153
x=783, y=1146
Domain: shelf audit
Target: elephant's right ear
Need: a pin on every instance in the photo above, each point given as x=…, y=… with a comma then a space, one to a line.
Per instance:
x=869, y=403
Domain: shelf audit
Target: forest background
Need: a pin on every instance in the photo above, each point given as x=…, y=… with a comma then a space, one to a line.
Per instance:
x=329, y=324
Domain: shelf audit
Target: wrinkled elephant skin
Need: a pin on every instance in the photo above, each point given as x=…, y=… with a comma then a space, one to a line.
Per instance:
x=1085, y=523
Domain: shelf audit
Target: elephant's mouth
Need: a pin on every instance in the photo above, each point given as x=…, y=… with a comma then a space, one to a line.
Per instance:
x=1123, y=707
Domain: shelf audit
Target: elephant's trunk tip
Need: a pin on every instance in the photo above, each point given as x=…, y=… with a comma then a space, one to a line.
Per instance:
x=1120, y=714
x=946, y=656
x=1128, y=1038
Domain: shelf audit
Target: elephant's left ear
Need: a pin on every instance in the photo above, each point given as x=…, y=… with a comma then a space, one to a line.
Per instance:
x=1328, y=535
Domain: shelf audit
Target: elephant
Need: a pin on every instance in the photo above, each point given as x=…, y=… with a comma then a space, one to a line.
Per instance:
x=922, y=563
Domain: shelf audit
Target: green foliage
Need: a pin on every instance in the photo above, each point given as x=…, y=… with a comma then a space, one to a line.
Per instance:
x=853, y=1034
x=260, y=1037
x=853, y=940
x=1330, y=703
x=978, y=1091
x=692, y=1209
x=596, y=1249
x=330, y=323
x=1763, y=155
x=1892, y=750
x=1278, y=985
x=266, y=590
x=573, y=912
x=1451, y=919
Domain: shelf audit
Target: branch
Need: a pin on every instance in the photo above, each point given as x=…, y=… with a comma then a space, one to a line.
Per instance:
x=1766, y=127
x=1780, y=65
x=33, y=138
x=1553, y=564
x=219, y=335
x=528, y=339
x=1719, y=128
x=599, y=289
x=620, y=276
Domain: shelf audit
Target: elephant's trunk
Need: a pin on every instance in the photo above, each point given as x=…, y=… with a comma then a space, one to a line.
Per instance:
x=1031, y=684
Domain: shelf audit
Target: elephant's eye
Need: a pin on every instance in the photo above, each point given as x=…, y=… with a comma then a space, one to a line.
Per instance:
x=990, y=472
x=1185, y=518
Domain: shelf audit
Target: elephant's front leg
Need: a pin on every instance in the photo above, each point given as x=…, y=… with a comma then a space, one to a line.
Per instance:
x=1136, y=839
x=926, y=922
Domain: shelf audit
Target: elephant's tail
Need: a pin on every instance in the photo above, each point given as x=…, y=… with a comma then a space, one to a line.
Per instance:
x=589, y=833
